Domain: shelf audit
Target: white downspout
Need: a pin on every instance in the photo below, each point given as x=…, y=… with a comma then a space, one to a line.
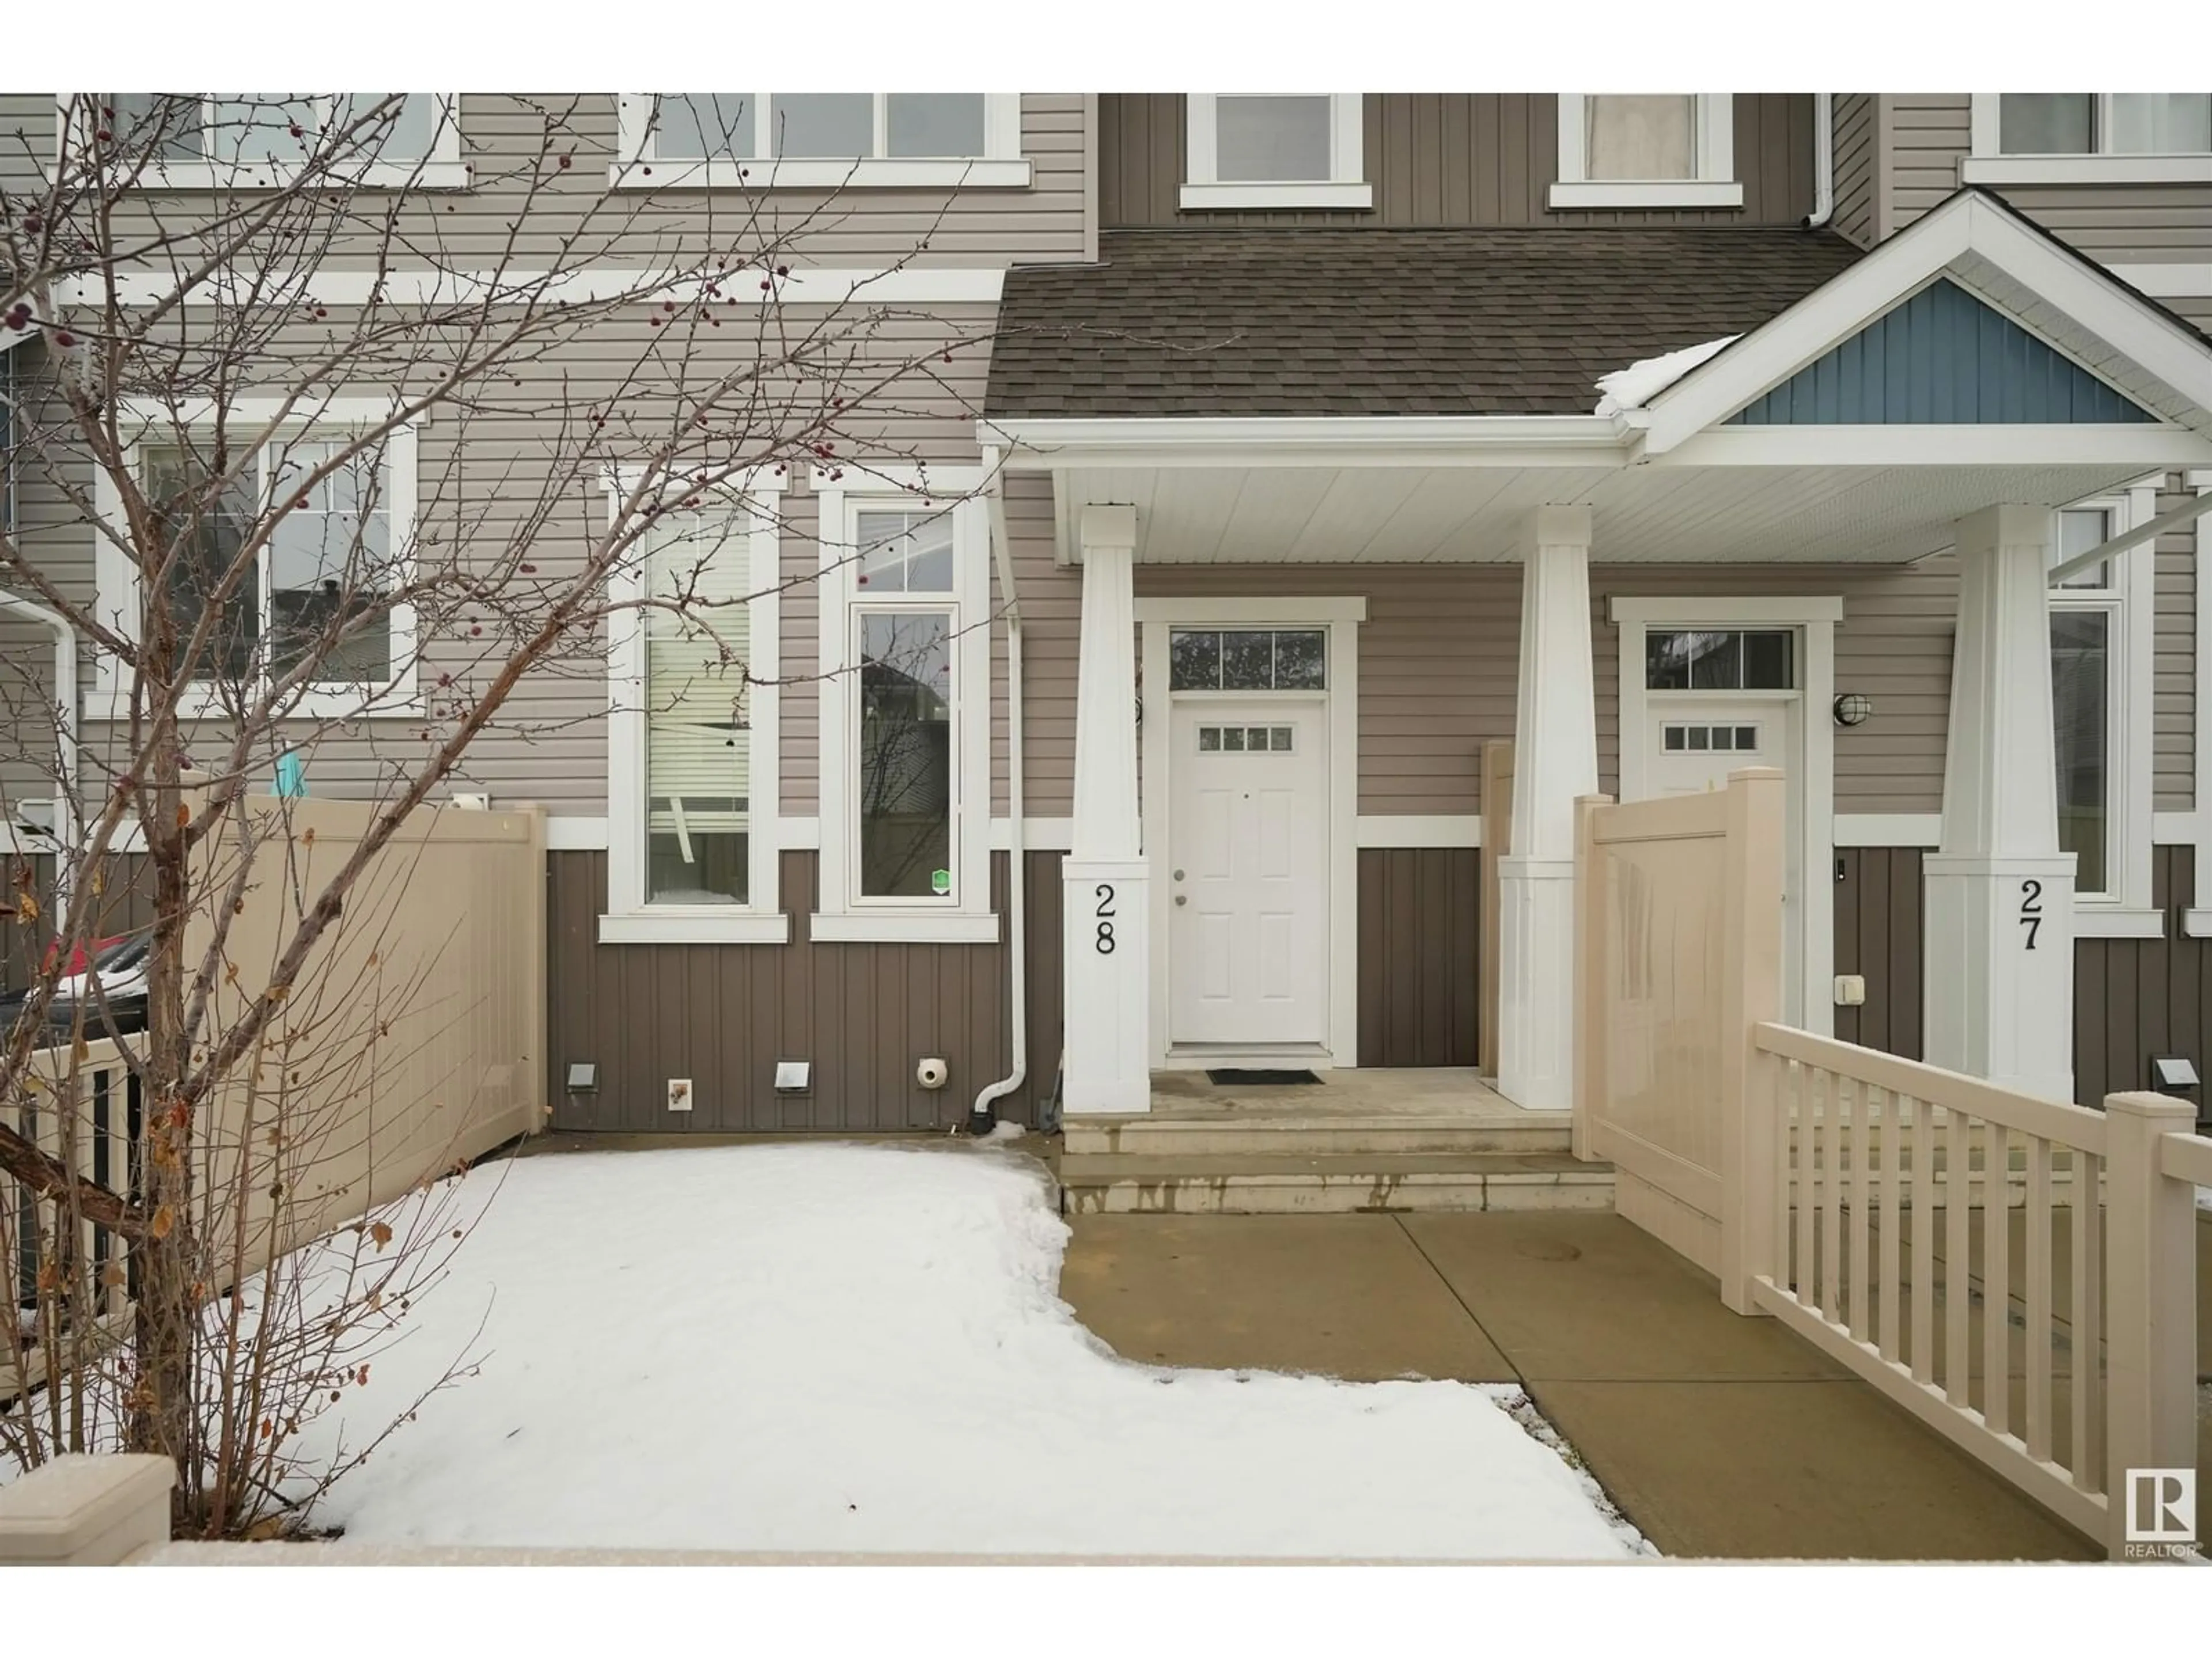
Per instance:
x=1824, y=160
x=68, y=829
x=983, y=1116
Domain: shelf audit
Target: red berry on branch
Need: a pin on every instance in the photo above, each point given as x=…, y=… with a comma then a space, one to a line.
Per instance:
x=564, y=161
x=783, y=271
x=64, y=338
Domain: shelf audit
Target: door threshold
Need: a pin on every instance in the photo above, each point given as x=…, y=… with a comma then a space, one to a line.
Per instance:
x=1230, y=1056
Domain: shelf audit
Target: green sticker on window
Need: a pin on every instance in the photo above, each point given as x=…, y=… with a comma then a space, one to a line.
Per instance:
x=940, y=881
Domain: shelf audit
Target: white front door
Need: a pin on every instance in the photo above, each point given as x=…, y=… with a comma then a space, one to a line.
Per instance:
x=1247, y=871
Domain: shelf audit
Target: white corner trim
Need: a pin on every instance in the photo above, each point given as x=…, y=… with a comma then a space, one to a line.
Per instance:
x=1038, y=835
x=2173, y=829
x=2085, y=169
x=1278, y=608
x=2093, y=920
x=564, y=834
x=2177, y=279
x=1655, y=193
x=1409, y=829
x=902, y=928
x=1204, y=197
x=1783, y=610
x=1889, y=829
x=699, y=926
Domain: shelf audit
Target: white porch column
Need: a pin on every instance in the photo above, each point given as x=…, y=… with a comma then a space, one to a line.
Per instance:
x=1554, y=760
x=1105, y=901
x=2000, y=894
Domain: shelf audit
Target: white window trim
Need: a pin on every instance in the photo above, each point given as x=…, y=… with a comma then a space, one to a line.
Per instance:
x=841, y=915
x=116, y=578
x=2124, y=907
x=1986, y=164
x=1347, y=186
x=1341, y=616
x=1001, y=167
x=629, y=919
x=1714, y=186
x=1815, y=616
x=443, y=169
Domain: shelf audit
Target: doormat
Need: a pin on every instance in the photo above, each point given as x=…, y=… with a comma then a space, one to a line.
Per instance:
x=1230, y=1074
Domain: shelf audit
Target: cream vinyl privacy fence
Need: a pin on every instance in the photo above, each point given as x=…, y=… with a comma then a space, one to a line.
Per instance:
x=2018, y=1273
x=413, y=1042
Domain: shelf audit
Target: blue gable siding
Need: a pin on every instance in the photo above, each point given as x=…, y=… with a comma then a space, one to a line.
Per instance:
x=1943, y=358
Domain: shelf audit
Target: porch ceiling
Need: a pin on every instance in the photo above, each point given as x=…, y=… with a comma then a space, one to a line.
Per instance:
x=1641, y=514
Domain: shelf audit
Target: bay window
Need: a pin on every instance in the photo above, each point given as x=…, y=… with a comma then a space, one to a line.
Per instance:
x=1274, y=150
x=691, y=753
x=764, y=139
x=2087, y=137
x=904, y=710
x=1646, y=149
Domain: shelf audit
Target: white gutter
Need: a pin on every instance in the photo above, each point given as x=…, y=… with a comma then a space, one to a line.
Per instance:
x=1824, y=160
x=70, y=829
x=983, y=1114
x=1038, y=445
x=2187, y=513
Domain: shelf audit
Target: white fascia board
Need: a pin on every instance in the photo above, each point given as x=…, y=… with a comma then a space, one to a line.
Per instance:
x=1777, y=349
x=1950, y=444
x=1046, y=446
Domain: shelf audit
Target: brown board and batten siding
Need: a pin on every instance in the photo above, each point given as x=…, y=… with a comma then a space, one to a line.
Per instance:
x=1438, y=158
x=720, y=1016
x=1419, y=921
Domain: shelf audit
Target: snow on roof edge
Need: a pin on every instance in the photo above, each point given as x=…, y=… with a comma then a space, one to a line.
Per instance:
x=1640, y=382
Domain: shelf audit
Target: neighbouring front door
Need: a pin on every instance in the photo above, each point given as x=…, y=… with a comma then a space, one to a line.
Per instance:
x=1247, y=871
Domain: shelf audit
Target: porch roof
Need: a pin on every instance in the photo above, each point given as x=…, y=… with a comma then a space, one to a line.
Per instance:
x=1340, y=322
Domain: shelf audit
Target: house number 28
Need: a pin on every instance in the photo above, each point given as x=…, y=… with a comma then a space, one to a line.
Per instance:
x=2030, y=909
x=1104, y=944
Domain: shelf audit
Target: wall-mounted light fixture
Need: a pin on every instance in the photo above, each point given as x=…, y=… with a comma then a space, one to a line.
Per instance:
x=583, y=1077
x=1853, y=708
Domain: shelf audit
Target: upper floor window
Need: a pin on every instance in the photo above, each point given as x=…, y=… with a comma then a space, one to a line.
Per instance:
x=2089, y=137
x=762, y=140
x=265, y=140
x=1275, y=150
x=1672, y=149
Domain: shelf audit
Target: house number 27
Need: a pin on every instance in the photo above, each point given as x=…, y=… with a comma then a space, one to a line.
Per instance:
x=1103, y=943
x=2030, y=909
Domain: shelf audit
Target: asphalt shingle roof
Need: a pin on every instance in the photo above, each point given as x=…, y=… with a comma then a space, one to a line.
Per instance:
x=1379, y=322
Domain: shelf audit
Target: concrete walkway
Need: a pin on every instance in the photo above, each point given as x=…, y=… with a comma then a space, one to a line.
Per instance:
x=1718, y=1436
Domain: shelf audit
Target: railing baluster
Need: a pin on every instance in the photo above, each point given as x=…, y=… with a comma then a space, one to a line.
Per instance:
x=1812, y=1082
x=2088, y=1320
x=1892, y=1166
x=1831, y=1200
x=1923, y=1242
x=1996, y=1278
x=1861, y=1287
x=2038, y=1298
x=1958, y=1386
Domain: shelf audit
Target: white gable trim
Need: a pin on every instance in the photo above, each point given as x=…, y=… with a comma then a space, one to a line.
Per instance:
x=2152, y=359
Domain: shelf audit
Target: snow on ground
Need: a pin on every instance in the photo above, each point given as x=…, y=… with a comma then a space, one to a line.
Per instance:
x=862, y=1348
x=1640, y=382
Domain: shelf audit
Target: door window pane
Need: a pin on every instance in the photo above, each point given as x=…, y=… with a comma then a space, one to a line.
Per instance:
x=1270, y=140
x=933, y=124
x=694, y=126
x=698, y=740
x=838, y=125
x=1193, y=659
x=2080, y=690
x=2046, y=123
x=2160, y=123
x=1640, y=136
x=1301, y=659
x=1717, y=662
x=1767, y=660
x=906, y=754
x=1248, y=662
x=1746, y=737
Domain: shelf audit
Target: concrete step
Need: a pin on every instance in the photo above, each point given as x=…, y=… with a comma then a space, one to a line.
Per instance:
x=1263, y=1133
x=1329, y=1183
